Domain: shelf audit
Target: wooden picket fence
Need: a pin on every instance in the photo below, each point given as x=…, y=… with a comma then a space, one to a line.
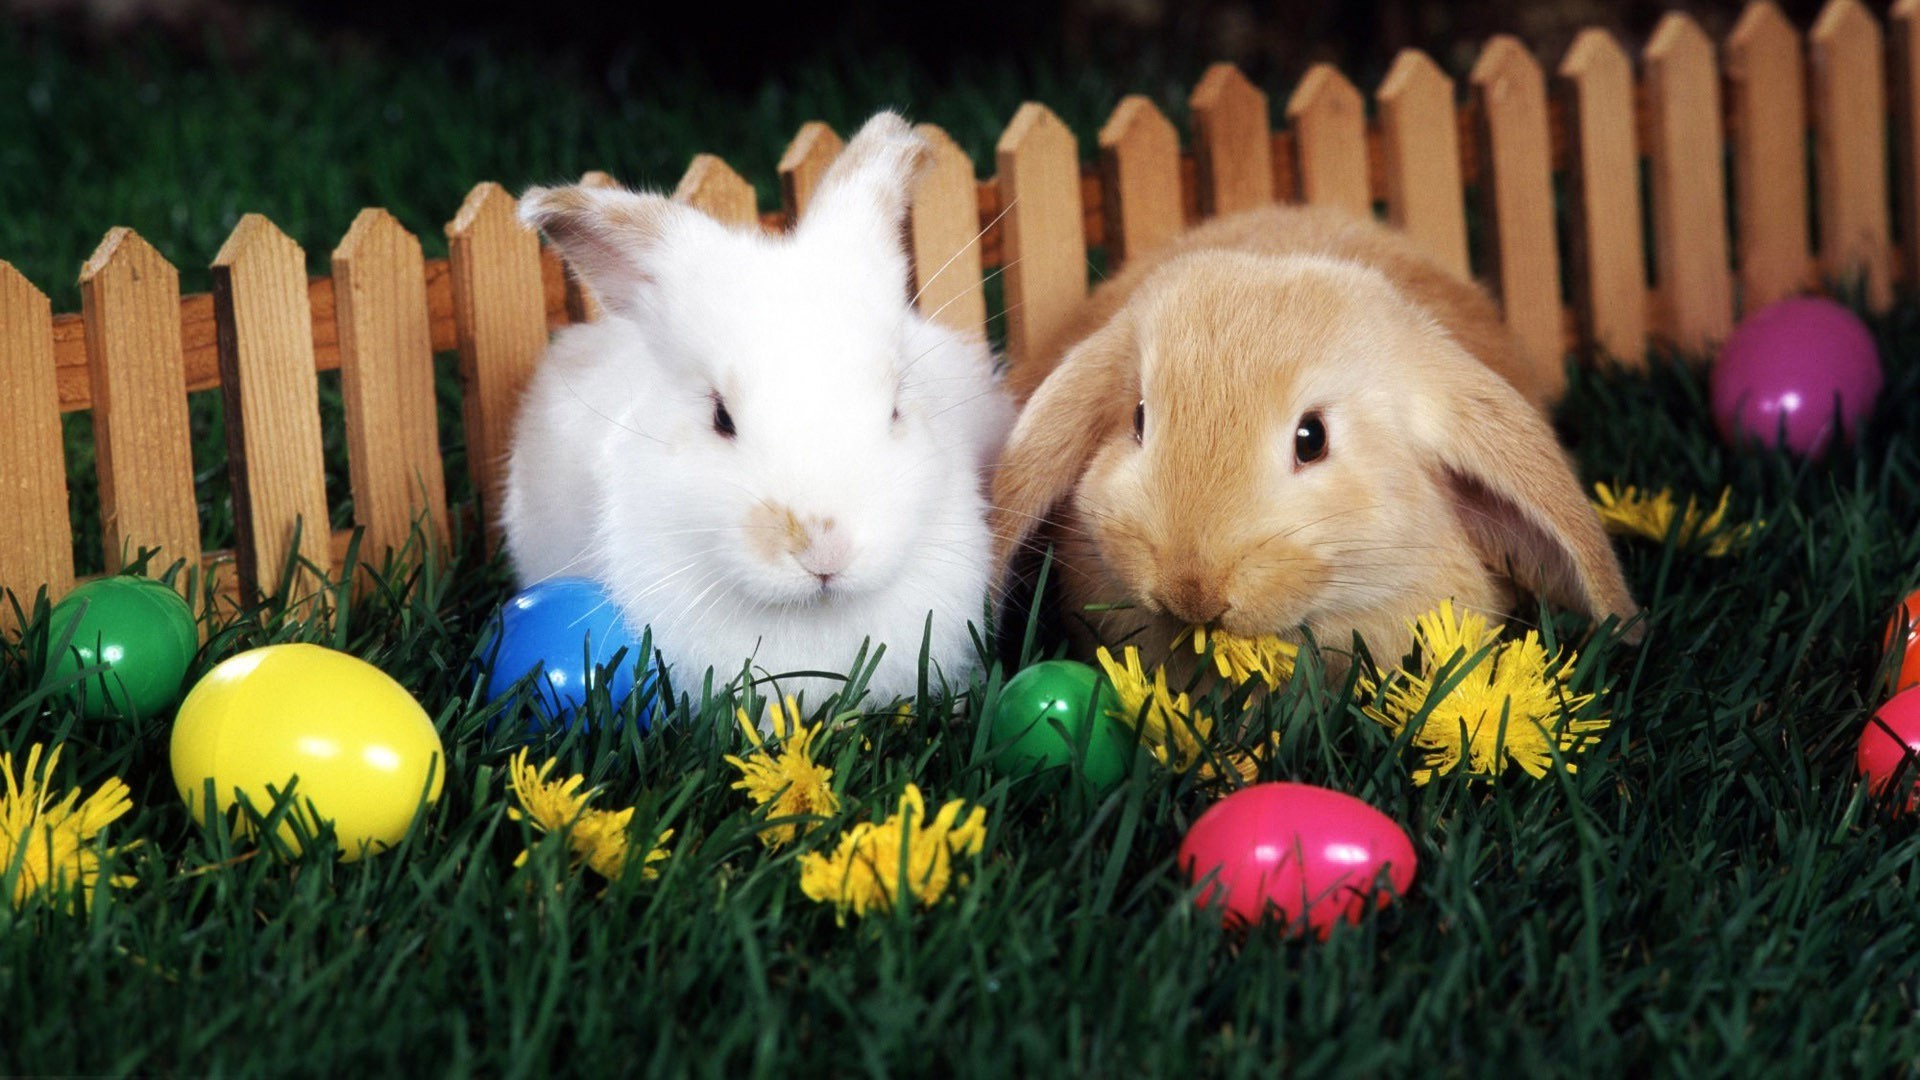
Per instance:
x=1547, y=158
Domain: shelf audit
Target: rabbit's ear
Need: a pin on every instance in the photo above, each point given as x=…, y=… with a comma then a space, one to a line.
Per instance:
x=1514, y=491
x=1081, y=405
x=605, y=235
x=864, y=193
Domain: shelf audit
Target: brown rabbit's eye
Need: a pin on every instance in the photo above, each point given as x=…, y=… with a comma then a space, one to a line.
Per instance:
x=722, y=419
x=1140, y=421
x=1309, y=439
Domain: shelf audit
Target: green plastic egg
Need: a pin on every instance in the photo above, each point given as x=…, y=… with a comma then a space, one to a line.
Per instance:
x=1043, y=713
x=140, y=629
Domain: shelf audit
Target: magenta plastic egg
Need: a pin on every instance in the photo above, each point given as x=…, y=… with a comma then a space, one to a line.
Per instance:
x=1792, y=363
x=1312, y=855
x=1892, y=734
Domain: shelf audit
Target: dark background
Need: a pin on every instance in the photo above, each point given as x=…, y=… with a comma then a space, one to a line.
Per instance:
x=745, y=45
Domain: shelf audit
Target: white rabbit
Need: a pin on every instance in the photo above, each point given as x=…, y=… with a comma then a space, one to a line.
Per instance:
x=760, y=449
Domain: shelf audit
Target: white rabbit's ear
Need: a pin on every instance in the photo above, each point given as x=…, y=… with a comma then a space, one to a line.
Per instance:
x=605, y=235
x=865, y=191
x=1515, y=493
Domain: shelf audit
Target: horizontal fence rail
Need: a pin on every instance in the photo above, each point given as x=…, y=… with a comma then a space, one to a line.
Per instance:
x=1552, y=155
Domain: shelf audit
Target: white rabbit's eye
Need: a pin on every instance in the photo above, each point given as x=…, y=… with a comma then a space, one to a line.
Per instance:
x=1140, y=421
x=1309, y=439
x=896, y=412
x=722, y=419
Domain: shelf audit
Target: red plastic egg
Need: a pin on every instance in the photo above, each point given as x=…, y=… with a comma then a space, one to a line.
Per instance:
x=1906, y=669
x=1892, y=734
x=1312, y=854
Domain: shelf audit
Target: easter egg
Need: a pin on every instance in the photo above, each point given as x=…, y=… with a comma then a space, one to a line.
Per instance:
x=1903, y=640
x=1312, y=854
x=567, y=630
x=1793, y=363
x=1891, y=735
x=365, y=755
x=1051, y=708
x=140, y=629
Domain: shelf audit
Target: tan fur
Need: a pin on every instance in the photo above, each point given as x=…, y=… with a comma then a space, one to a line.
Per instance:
x=1441, y=479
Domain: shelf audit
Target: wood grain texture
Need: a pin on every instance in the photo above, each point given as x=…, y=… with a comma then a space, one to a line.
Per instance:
x=1689, y=186
x=1329, y=121
x=273, y=411
x=1046, y=253
x=1850, y=149
x=804, y=162
x=500, y=313
x=582, y=305
x=1420, y=154
x=386, y=376
x=1140, y=177
x=1512, y=94
x=1233, y=142
x=1904, y=107
x=711, y=186
x=36, y=541
x=943, y=228
x=143, y=451
x=1766, y=82
x=1608, y=256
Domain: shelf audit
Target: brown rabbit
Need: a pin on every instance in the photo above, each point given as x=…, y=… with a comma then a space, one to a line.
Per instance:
x=1293, y=418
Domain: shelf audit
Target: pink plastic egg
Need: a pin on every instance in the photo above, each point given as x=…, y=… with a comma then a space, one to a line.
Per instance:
x=1312, y=854
x=1892, y=734
x=1790, y=363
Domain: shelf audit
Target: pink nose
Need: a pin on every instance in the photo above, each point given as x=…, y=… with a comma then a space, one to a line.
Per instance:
x=826, y=556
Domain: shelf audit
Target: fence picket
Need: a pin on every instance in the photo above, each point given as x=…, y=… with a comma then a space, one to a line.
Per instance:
x=1420, y=143
x=386, y=376
x=1329, y=120
x=804, y=162
x=1850, y=144
x=130, y=298
x=1689, y=187
x=500, y=316
x=1232, y=142
x=711, y=185
x=1140, y=174
x=36, y=546
x=273, y=408
x=1607, y=259
x=1044, y=252
x=1766, y=77
x=944, y=228
x=1511, y=91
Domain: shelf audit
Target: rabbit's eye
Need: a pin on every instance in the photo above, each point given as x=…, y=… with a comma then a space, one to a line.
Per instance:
x=722, y=419
x=1309, y=439
x=1140, y=421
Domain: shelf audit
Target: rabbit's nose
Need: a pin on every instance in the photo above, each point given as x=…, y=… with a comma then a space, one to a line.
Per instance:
x=825, y=553
x=1192, y=600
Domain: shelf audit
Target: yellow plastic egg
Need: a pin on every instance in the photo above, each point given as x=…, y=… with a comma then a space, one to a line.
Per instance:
x=363, y=750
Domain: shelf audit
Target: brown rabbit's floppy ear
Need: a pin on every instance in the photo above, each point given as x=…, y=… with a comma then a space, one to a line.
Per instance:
x=1517, y=497
x=1063, y=424
x=604, y=234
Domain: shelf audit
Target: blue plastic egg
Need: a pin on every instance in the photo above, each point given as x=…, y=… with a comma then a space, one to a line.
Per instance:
x=570, y=631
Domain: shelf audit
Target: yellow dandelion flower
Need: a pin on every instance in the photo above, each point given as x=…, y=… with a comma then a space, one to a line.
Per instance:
x=52, y=843
x=598, y=838
x=865, y=871
x=787, y=778
x=1509, y=701
x=1170, y=727
x=1628, y=512
x=1241, y=660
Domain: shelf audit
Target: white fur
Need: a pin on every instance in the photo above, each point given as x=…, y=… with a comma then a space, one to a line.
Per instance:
x=617, y=474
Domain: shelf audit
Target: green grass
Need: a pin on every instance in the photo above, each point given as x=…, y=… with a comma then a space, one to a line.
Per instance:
x=1712, y=893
